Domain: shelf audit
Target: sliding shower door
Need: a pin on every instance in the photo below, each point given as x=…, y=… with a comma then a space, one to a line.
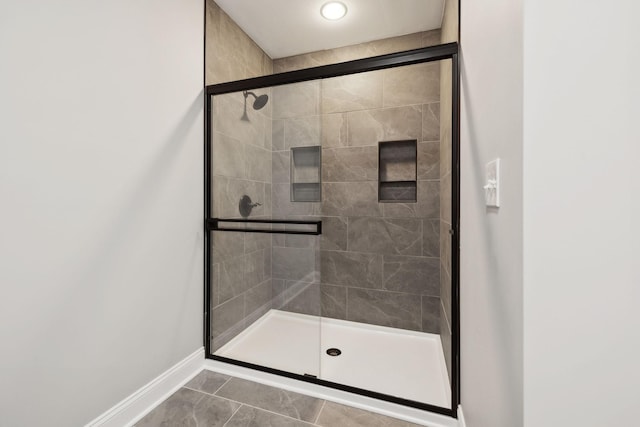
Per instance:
x=264, y=297
x=333, y=226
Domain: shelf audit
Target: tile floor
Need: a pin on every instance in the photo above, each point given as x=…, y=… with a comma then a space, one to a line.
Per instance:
x=213, y=399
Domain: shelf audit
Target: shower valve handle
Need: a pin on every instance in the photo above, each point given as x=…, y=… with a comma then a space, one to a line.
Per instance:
x=246, y=206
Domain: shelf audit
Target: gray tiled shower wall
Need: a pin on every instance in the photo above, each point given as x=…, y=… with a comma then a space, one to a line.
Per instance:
x=376, y=263
x=241, y=289
x=241, y=164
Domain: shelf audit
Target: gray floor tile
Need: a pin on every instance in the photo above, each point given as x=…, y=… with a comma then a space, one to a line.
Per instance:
x=334, y=414
x=280, y=401
x=253, y=417
x=188, y=408
x=207, y=381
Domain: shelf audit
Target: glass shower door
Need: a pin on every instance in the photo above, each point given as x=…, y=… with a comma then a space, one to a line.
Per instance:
x=265, y=301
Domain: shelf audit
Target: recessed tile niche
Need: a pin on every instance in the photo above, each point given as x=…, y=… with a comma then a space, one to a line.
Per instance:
x=305, y=174
x=397, y=171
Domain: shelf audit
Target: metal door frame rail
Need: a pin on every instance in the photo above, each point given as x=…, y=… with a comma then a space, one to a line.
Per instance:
x=213, y=224
x=416, y=56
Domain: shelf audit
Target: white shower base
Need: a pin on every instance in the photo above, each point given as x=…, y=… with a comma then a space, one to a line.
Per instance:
x=396, y=362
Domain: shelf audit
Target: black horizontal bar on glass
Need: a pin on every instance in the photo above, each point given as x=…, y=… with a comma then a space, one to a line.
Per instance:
x=409, y=57
x=213, y=224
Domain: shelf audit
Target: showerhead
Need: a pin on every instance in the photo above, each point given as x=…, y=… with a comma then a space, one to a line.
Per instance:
x=260, y=101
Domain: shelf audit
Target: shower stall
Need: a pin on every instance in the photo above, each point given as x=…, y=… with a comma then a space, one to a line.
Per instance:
x=331, y=198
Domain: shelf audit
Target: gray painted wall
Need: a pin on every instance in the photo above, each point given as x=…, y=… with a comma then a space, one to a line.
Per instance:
x=101, y=189
x=491, y=240
x=581, y=187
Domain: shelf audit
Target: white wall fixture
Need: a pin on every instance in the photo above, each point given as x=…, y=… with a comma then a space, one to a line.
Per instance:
x=492, y=186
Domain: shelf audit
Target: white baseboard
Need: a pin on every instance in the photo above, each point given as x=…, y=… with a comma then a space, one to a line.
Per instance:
x=141, y=402
x=461, y=421
x=416, y=416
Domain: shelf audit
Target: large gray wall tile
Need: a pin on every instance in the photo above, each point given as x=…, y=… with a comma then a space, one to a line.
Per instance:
x=272, y=399
x=255, y=241
x=431, y=314
x=294, y=264
x=227, y=319
x=258, y=163
x=334, y=130
x=334, y=233
x=445, y=338
x=431, y=238
x=215, y=283
x=350, y=199
x=384, y=308
x=283, y=207
x=401, y=236
x=388, y=124
x=277, y=135
x=226, y=245
x=253, y=265
x=295, y=100
x=431, y=122
x=362, y=50
x=258, y=300
x=227, y=111
x=413, y=84
x=445, y=292
x=445, y=246
x=413, y=275
x=333, y=301
x=227, y=193
x=351, y=269
x=300, y=241
x=427, y=205
x=302, y=297
x=302, y=132
x=445, y=200
x=231, y=54
x=231, y=281
x=227, y=156
x=350, y=164
x=280, y=166
x=278, y=292
x=353, y=92
x=429, y=160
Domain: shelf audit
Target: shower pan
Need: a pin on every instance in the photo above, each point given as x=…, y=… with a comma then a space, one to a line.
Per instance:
x=332, y=211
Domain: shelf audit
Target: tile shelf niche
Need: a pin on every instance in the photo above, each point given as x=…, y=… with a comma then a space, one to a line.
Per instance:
x=305, y=174
x=397, y=171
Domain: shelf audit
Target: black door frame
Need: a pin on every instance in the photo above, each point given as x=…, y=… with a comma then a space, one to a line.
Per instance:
x=416, y=56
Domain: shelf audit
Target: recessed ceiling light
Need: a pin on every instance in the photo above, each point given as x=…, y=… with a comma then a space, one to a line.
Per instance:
x=333, y=10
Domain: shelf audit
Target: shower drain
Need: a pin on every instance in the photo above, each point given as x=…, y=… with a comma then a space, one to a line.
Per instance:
x=334, y=352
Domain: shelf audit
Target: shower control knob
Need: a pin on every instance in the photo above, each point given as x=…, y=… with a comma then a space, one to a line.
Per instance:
x=246, y=206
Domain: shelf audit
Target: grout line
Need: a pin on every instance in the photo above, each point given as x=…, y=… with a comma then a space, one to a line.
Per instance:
x=346, y=303
x=383, y=255
x=225, y=383
x=262, y=409
x=232, y=415
x=319, y=412
x=421, y=315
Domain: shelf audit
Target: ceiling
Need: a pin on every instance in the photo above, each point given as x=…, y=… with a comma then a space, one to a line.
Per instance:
x=290, y=27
